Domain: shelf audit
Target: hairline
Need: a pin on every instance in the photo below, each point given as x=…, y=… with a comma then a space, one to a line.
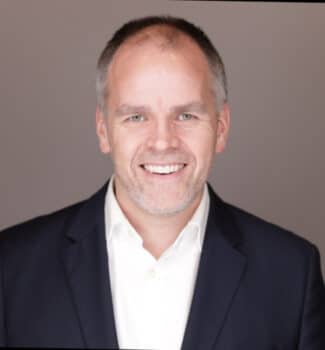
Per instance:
x=162, y=30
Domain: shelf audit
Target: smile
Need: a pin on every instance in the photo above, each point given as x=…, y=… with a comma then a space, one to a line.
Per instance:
x=163, y=169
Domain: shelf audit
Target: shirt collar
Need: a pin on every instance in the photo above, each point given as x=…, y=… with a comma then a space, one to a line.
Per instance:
x=115, y=218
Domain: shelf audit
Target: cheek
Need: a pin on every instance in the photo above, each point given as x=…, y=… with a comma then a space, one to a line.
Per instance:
x=201, y=140
x=204, y=152
x=124, y=144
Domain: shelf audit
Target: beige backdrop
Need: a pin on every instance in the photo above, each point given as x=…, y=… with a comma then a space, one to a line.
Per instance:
x=274, y=55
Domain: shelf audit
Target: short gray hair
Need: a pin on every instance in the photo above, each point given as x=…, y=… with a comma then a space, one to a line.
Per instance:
x=133, y=27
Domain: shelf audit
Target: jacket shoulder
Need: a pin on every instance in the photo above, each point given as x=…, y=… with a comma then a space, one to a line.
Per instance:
x=44, y=224
x=268, y=236
x=49, y=228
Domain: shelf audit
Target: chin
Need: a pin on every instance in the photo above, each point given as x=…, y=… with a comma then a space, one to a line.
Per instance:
x=163, y=206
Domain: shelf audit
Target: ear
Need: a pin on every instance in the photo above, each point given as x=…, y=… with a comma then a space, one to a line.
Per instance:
x=223, y=128
x=102, y=132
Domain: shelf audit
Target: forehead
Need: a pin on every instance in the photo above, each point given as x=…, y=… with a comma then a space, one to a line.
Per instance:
x=158, y=67
x=160, y=39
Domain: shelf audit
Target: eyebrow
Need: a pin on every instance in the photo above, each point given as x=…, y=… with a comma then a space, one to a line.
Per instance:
x=125, y=109
x=195, y=106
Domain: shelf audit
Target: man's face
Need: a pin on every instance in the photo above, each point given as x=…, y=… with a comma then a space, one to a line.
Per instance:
x=162, y=125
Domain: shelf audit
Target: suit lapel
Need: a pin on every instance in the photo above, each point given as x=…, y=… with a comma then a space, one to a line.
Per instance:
x=219, y=275
x=86, y=264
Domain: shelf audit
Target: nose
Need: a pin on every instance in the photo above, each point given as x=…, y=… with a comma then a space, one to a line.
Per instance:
x=163, y=135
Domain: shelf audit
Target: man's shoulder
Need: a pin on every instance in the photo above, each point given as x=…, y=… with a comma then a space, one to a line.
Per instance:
x=268, y=238
x=255, y=231
x=44, y=225
x=57, y=222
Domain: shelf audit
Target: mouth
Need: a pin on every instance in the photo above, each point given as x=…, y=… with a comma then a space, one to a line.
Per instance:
x=163, y=169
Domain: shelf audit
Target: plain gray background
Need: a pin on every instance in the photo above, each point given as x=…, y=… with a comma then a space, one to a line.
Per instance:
x=274, y=55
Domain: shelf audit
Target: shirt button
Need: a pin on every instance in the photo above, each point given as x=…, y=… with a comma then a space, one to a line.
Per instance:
x=152, y=274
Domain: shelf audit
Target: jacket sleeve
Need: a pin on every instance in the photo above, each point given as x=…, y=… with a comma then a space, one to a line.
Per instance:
x=2, y=306
x=312, y=332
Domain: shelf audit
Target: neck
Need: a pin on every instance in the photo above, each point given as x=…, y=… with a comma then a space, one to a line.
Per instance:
x=158, y=232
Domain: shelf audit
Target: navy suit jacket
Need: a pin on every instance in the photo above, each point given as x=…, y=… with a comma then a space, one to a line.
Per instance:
x=259, y=287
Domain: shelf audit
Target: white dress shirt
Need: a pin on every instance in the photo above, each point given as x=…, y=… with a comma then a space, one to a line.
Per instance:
x=152, y=298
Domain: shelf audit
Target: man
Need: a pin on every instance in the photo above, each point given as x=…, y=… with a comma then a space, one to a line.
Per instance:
x=155, y=259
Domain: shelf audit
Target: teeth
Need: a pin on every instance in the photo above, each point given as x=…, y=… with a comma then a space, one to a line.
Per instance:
x=163, y=169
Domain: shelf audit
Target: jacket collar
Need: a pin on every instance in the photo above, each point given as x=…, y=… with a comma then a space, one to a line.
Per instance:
x=89, y=214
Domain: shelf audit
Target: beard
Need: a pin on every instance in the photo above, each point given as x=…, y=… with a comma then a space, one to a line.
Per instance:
x=160, y=199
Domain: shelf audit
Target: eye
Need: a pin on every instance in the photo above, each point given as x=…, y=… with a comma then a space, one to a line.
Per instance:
x=135, y=118
x=186, y=116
